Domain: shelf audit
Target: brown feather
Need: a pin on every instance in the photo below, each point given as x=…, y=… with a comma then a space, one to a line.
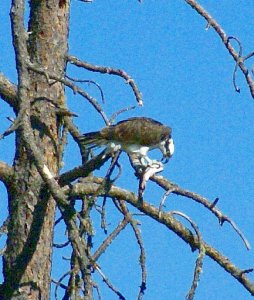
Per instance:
x=138, y=130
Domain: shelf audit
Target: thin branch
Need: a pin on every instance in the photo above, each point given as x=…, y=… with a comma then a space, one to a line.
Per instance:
x=102, y=248
x=142, y=257
x=246, y=57
x=108, y=70
x=175, y=189
x=83, y=170
x=217, y=27
x=237, y=89
x=73, y=287
x=62, y=143
x=91, y=187
x=8, y=91
x=114, y=162
x=63, y=245
x=59, y=283
x=72, y=86
x=13, y=127
x=200, y=258
x=166, y=194
x=88, y=81
x=109, y=284
x=113, y=117
x=6, y=173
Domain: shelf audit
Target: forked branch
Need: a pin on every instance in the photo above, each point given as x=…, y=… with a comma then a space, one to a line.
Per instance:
x=91, y=186
x=108, y=70
x=175, y=189
x=226, y=41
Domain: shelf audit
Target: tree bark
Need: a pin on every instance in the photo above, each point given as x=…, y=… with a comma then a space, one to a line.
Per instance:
x=27, y=260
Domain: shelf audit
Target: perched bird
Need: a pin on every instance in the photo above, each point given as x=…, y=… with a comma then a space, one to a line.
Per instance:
x=136, y=136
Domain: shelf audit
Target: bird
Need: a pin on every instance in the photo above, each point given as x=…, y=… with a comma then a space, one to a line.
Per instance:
x=136, y=136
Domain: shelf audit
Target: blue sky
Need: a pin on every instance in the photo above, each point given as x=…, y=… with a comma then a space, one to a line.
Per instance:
x=185, y=75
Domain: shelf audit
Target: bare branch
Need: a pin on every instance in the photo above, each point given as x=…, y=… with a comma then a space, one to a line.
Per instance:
x=89, y=82
x=142, y=257
x=8, y=91
x=175, y=189
x=6, y=173
x=200, y=258
x=84, y=170
x=59, y=283
x=109, y=284
x=113, y=117
x=102, y=248
x=217, y=27
x=72, y=86
x=108, y=70
x=91, y=187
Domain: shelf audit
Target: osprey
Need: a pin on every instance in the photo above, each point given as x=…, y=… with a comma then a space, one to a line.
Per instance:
x=136, y=136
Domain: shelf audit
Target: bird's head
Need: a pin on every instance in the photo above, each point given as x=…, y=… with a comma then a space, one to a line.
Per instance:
x=167, y=148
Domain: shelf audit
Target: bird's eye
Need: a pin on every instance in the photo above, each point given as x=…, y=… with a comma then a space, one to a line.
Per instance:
x=163, y=138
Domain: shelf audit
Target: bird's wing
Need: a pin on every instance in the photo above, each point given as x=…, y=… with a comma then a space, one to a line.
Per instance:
x=141, y=131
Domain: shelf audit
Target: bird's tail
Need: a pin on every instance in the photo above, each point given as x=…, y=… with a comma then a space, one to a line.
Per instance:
x=91, y=140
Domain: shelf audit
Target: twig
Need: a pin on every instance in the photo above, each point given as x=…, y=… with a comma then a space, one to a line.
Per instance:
x=116, y=114
x=142, y=257
x=74, y=286
x=61, y=245
x=72, y=86
x=165, y=184
x=162, y=202
x=58, y=220
x=95, y=286
x=102, y=248
x=14, y=126
x=114, y=162
x=62, y=143
x=214, y=203
x=200, y=258
x=248, y=271
x=59, y=283
x=108, y=70
x=240, y=52
x=91, y=187
x=103, y=215
x=233, y=224
x=83, y=170
x=109, y=284
x=248, y=56
x=88, y=81
x=217, y=27
x=237, y=89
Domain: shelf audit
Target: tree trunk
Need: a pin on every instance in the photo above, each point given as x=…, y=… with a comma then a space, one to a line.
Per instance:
x=27, y=260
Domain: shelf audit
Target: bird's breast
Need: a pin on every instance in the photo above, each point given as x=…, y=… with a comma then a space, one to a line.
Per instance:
x=134, y=148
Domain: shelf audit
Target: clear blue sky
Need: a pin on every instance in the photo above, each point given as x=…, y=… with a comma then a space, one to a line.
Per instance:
x=185, y=75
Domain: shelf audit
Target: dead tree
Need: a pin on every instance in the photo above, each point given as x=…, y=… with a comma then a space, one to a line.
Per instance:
x=35, y=186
